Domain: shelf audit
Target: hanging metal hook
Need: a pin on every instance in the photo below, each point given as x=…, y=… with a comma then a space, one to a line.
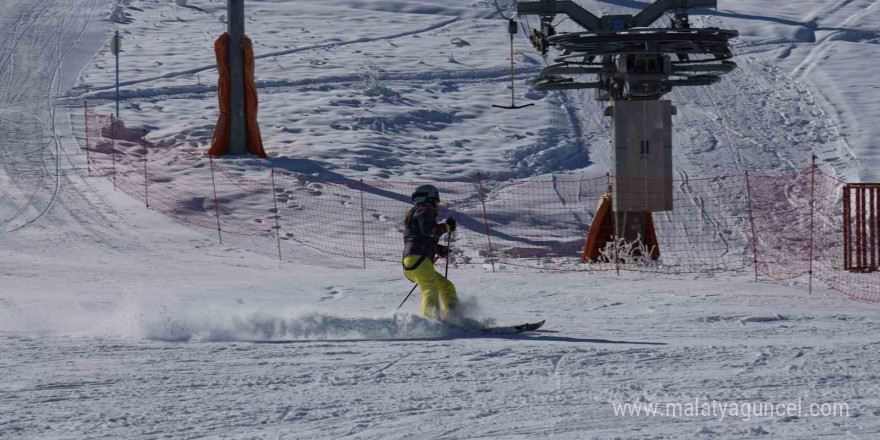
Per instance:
x=512, y=29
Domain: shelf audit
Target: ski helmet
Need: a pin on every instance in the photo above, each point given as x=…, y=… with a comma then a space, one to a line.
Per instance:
x=425, y=193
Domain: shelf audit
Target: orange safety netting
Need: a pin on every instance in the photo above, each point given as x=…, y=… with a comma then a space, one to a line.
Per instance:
x=220, y=143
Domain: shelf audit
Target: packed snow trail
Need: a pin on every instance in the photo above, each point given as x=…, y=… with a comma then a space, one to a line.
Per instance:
x=28, y=67
x=257, y=368
x=35, y=66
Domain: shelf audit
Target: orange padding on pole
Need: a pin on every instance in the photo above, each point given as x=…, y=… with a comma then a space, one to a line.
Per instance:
x=220, y=143
x=602, y=232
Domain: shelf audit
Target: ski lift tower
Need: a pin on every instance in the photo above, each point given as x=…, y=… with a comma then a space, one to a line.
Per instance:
x=632, y=66
x=237, y=117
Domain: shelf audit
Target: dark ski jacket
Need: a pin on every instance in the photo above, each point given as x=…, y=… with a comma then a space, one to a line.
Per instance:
x=421, y=232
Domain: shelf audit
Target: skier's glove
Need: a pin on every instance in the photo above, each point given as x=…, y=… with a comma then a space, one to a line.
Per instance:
x=450, y=222
x=442, y=251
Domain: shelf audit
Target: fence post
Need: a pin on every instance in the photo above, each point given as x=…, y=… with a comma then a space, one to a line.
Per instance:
x=752, y=222
x=363, y=226
x=146, y=180
x=861, y=260
x=216, y=203
x=847, y=233
x=113, y=147
x=88, y=162
x=613, y=225
x=869, y=229
x=812, y=215
x=277, y=213
x=872, y=217
x=486, y=221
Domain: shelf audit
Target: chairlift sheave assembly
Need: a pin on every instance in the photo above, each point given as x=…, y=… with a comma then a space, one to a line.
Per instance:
x=628, y=59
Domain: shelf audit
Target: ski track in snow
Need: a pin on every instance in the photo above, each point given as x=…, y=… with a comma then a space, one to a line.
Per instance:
x=116, y=322
x=286, y=52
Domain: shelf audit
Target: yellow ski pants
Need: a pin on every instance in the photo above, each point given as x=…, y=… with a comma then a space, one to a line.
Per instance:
x=438, y=293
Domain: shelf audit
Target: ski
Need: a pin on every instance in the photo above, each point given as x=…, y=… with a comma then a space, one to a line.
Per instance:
x=529, y=327
x=512, y=329
x=474, y=327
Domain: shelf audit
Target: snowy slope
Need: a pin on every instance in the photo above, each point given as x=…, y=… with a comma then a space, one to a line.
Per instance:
x=831, y=47
x=116, y=322
x=441, y=66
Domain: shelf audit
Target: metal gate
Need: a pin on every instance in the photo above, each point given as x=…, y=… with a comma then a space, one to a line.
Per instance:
x=861, y=214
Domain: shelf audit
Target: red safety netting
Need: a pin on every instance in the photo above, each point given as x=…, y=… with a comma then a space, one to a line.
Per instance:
x=708, y=230
x=245, y=206
x=781, y=211
x=783, y=227
x=543, y=223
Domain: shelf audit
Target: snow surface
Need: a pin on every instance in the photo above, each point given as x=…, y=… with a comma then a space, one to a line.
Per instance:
x=116, y=322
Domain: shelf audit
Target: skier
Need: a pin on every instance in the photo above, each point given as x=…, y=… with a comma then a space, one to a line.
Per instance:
x=421, y=236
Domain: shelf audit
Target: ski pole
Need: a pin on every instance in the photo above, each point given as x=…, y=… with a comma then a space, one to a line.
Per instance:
x=407, y=296
x=448, y=242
